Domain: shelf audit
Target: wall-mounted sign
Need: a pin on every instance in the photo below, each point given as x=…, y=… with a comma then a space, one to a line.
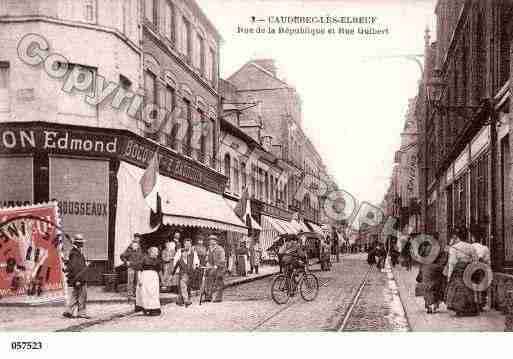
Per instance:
x=19, y=138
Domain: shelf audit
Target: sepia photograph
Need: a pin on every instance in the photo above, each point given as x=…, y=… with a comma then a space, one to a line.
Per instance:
x=292, y=166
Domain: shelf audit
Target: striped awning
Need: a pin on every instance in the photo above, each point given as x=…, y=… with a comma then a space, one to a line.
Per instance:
x=281, y=226
x=186, y=205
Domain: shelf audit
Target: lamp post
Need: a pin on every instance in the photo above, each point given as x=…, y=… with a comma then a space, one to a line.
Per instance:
x=486, y=114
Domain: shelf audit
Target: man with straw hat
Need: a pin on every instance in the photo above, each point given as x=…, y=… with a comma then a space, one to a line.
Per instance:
x=76, y=273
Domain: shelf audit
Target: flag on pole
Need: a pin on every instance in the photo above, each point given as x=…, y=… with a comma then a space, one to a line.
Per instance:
x=150, y=183
x=243, y=208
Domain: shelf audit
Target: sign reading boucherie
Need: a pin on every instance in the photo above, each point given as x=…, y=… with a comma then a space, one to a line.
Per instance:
x=16, y=138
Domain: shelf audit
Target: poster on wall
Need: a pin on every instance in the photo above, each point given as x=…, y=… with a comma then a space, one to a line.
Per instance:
x=30, y=254
x=81, y=189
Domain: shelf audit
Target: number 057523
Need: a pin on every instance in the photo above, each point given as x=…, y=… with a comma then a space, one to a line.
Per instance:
x=26, y=345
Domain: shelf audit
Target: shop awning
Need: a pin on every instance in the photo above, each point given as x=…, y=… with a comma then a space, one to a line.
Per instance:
x=283, y=227
x=187, y=205
x=299, y=226
x=315, y=227
x=254, y=223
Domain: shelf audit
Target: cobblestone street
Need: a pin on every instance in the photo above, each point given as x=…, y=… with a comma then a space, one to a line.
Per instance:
x=248, y=307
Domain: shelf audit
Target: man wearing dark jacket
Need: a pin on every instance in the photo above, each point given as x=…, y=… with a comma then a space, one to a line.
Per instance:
x=76, y=273
x=132, y=257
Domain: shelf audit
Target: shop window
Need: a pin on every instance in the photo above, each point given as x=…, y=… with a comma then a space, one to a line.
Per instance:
x=4, y=86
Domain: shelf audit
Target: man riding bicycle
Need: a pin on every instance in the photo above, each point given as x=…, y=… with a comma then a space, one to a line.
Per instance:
x=292, y=255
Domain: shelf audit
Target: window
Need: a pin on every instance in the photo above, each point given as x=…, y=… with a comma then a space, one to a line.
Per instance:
x=235, y=176
x=4, y=86
x=204, y=137
x=73, y=103
x=260, y=184
x=244, y=174
x=202, y=62
x=90, y=10
x=227, y=172
x=150, y=11
x=150, y=92
x=168, y=23
x=213, y=70
x=168, y=103
x=187, y=39
x=186, y=143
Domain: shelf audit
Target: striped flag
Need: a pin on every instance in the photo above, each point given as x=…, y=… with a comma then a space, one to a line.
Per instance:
x=150, y=183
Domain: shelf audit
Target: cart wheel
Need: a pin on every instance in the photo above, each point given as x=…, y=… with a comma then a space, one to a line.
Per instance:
x=309, y=287
x=279, y=289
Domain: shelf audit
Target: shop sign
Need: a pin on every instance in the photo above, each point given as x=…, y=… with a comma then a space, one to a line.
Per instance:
x=273, y=211
x=30, y=254
x=22, y=138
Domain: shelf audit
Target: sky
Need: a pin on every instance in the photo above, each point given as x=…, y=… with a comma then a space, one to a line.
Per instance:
x=354, y=95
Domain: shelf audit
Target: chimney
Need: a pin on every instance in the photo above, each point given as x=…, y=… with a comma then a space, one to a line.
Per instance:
x=268, y=64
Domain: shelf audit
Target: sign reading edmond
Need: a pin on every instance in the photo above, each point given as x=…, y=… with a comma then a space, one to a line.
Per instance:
x=58, y=140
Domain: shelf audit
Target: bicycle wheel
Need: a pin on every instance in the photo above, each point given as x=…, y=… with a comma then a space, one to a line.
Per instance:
x=309, y=287
x=279, y=290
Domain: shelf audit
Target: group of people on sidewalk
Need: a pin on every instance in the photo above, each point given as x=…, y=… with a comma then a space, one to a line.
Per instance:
x=444, y=280
x=148, y=273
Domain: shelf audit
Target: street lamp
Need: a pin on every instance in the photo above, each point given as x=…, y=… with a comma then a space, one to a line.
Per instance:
x=486, y=115
x=435, y=89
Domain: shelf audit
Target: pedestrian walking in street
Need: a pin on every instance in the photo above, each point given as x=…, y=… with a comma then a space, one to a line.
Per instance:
x=186, y=262
x=325, y=255
x=148, y=289
x=380, y=254
x=336, y=246
x=76, y=272
x=255, y=254
x=132, y=258
x=371, y=255
x=168, y=254
x=201, y=252
x=483, y=256
x=242, y=258
x=460, y=298
x=407, y=260
x=216, y=263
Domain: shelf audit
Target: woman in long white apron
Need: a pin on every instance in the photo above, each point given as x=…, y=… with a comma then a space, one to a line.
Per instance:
x=147, y=295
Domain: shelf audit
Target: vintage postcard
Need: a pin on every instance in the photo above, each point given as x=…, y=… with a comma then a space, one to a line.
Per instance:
x=255, y=166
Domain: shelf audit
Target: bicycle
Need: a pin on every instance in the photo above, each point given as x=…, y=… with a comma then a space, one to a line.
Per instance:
x=284, y=287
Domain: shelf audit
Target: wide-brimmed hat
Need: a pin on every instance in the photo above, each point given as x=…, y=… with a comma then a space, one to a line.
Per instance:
x=78, y=239
x=212, y=238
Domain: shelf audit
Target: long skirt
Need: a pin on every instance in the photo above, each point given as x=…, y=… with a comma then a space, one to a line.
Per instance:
x=147, y=295
x=460, y=298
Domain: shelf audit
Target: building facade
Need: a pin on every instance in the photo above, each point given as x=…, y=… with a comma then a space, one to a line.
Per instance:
x=465, y=153
x=80, y=124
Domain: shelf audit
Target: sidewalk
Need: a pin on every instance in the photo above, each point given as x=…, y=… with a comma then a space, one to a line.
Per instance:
x=102, y=307
x=443, y=320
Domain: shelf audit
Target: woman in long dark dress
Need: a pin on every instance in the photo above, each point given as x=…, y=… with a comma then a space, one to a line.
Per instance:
x=460, y=297
x=147, y=299
x=433, y=282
